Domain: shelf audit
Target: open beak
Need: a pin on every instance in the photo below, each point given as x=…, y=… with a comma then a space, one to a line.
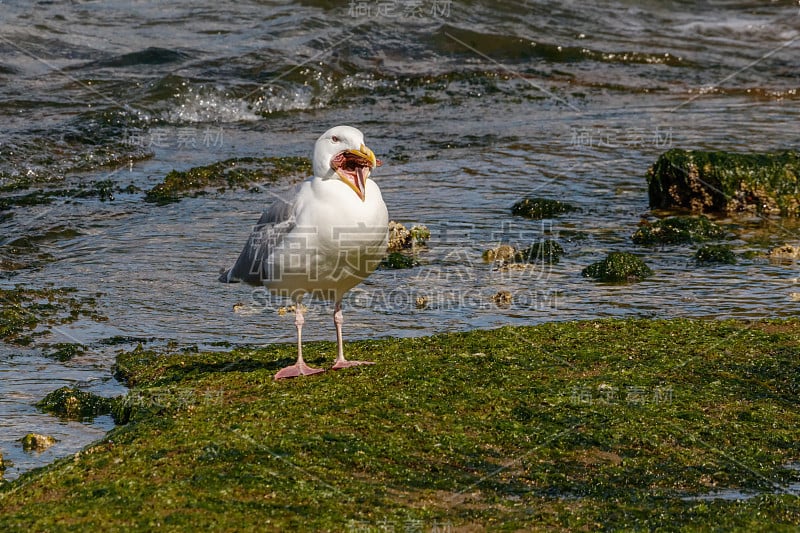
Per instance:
x=354, y=168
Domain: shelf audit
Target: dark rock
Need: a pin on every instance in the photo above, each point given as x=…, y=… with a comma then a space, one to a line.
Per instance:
x=540, y=208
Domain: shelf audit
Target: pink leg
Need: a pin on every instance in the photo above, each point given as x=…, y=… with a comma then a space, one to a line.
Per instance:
x=300, y=368
x=341, y=362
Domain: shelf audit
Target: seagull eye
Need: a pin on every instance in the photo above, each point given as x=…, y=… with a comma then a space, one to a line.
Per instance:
x=335, y=139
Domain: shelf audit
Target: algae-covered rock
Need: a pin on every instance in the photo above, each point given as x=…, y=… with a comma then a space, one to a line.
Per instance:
x=401, y=238
x=502, y=253
x=677, y=230
x=618, y=266
x=784, y=252
x=238, y=172
x=75, y=404
x=503, y=299
x=25, y=309
x=403, y=245
x=724, y=182
x=545, y=251
x=36, y=442
x=540, y=208
x=716, y=253
x=64, y=351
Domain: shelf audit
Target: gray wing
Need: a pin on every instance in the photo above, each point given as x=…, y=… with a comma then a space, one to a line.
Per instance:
x=251, y=266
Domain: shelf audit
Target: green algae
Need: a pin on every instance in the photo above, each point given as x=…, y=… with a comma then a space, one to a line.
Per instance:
x=64, y=351
x=72, y=403
x=398, y=260
x=240, y=172
x=618, y=267
x=678, y=230
x=607, y=424
x=27, y=312
x=103, y=190
x=715, y=253
x=537, y=208
x=725, y=182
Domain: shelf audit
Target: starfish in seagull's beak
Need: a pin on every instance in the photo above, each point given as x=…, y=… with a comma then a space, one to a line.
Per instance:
x=354, y=167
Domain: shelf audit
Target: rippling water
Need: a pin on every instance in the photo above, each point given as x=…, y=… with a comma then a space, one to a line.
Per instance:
x=470, y=105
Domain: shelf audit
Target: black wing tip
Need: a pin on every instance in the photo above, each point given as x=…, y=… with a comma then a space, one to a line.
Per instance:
x=225, y=276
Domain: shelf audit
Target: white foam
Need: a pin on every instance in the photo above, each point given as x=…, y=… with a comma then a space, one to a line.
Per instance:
x=212, y=106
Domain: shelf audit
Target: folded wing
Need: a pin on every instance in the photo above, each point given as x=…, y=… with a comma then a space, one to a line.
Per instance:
x=252, y=266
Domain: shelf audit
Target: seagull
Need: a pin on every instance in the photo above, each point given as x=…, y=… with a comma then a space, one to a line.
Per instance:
x=324, y=240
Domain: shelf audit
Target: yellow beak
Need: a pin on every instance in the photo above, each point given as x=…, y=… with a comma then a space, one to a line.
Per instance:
x=365, y=153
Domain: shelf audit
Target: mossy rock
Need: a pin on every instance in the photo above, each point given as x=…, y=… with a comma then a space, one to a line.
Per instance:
x=537, y=208
x=678, y=230
x=716, y=253
x=545, y=251
x=34, y=442
x=618, y=267
x=241, y=172
x=725, y=182
x=75, y=404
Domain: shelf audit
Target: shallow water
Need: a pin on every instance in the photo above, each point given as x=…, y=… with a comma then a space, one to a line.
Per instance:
x=471, y=106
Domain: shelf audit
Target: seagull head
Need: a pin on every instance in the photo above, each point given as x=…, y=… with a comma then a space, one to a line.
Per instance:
x=340, y=153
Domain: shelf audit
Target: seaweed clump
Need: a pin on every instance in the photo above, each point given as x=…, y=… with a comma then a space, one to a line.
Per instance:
x=74, y=404
x=240, y=172
x=678, y=230
x=618, y=267
x=537, y=208
x=716, y=253
x=64, y=351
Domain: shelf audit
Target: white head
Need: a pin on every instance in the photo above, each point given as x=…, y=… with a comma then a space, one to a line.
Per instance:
x=340, y=153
